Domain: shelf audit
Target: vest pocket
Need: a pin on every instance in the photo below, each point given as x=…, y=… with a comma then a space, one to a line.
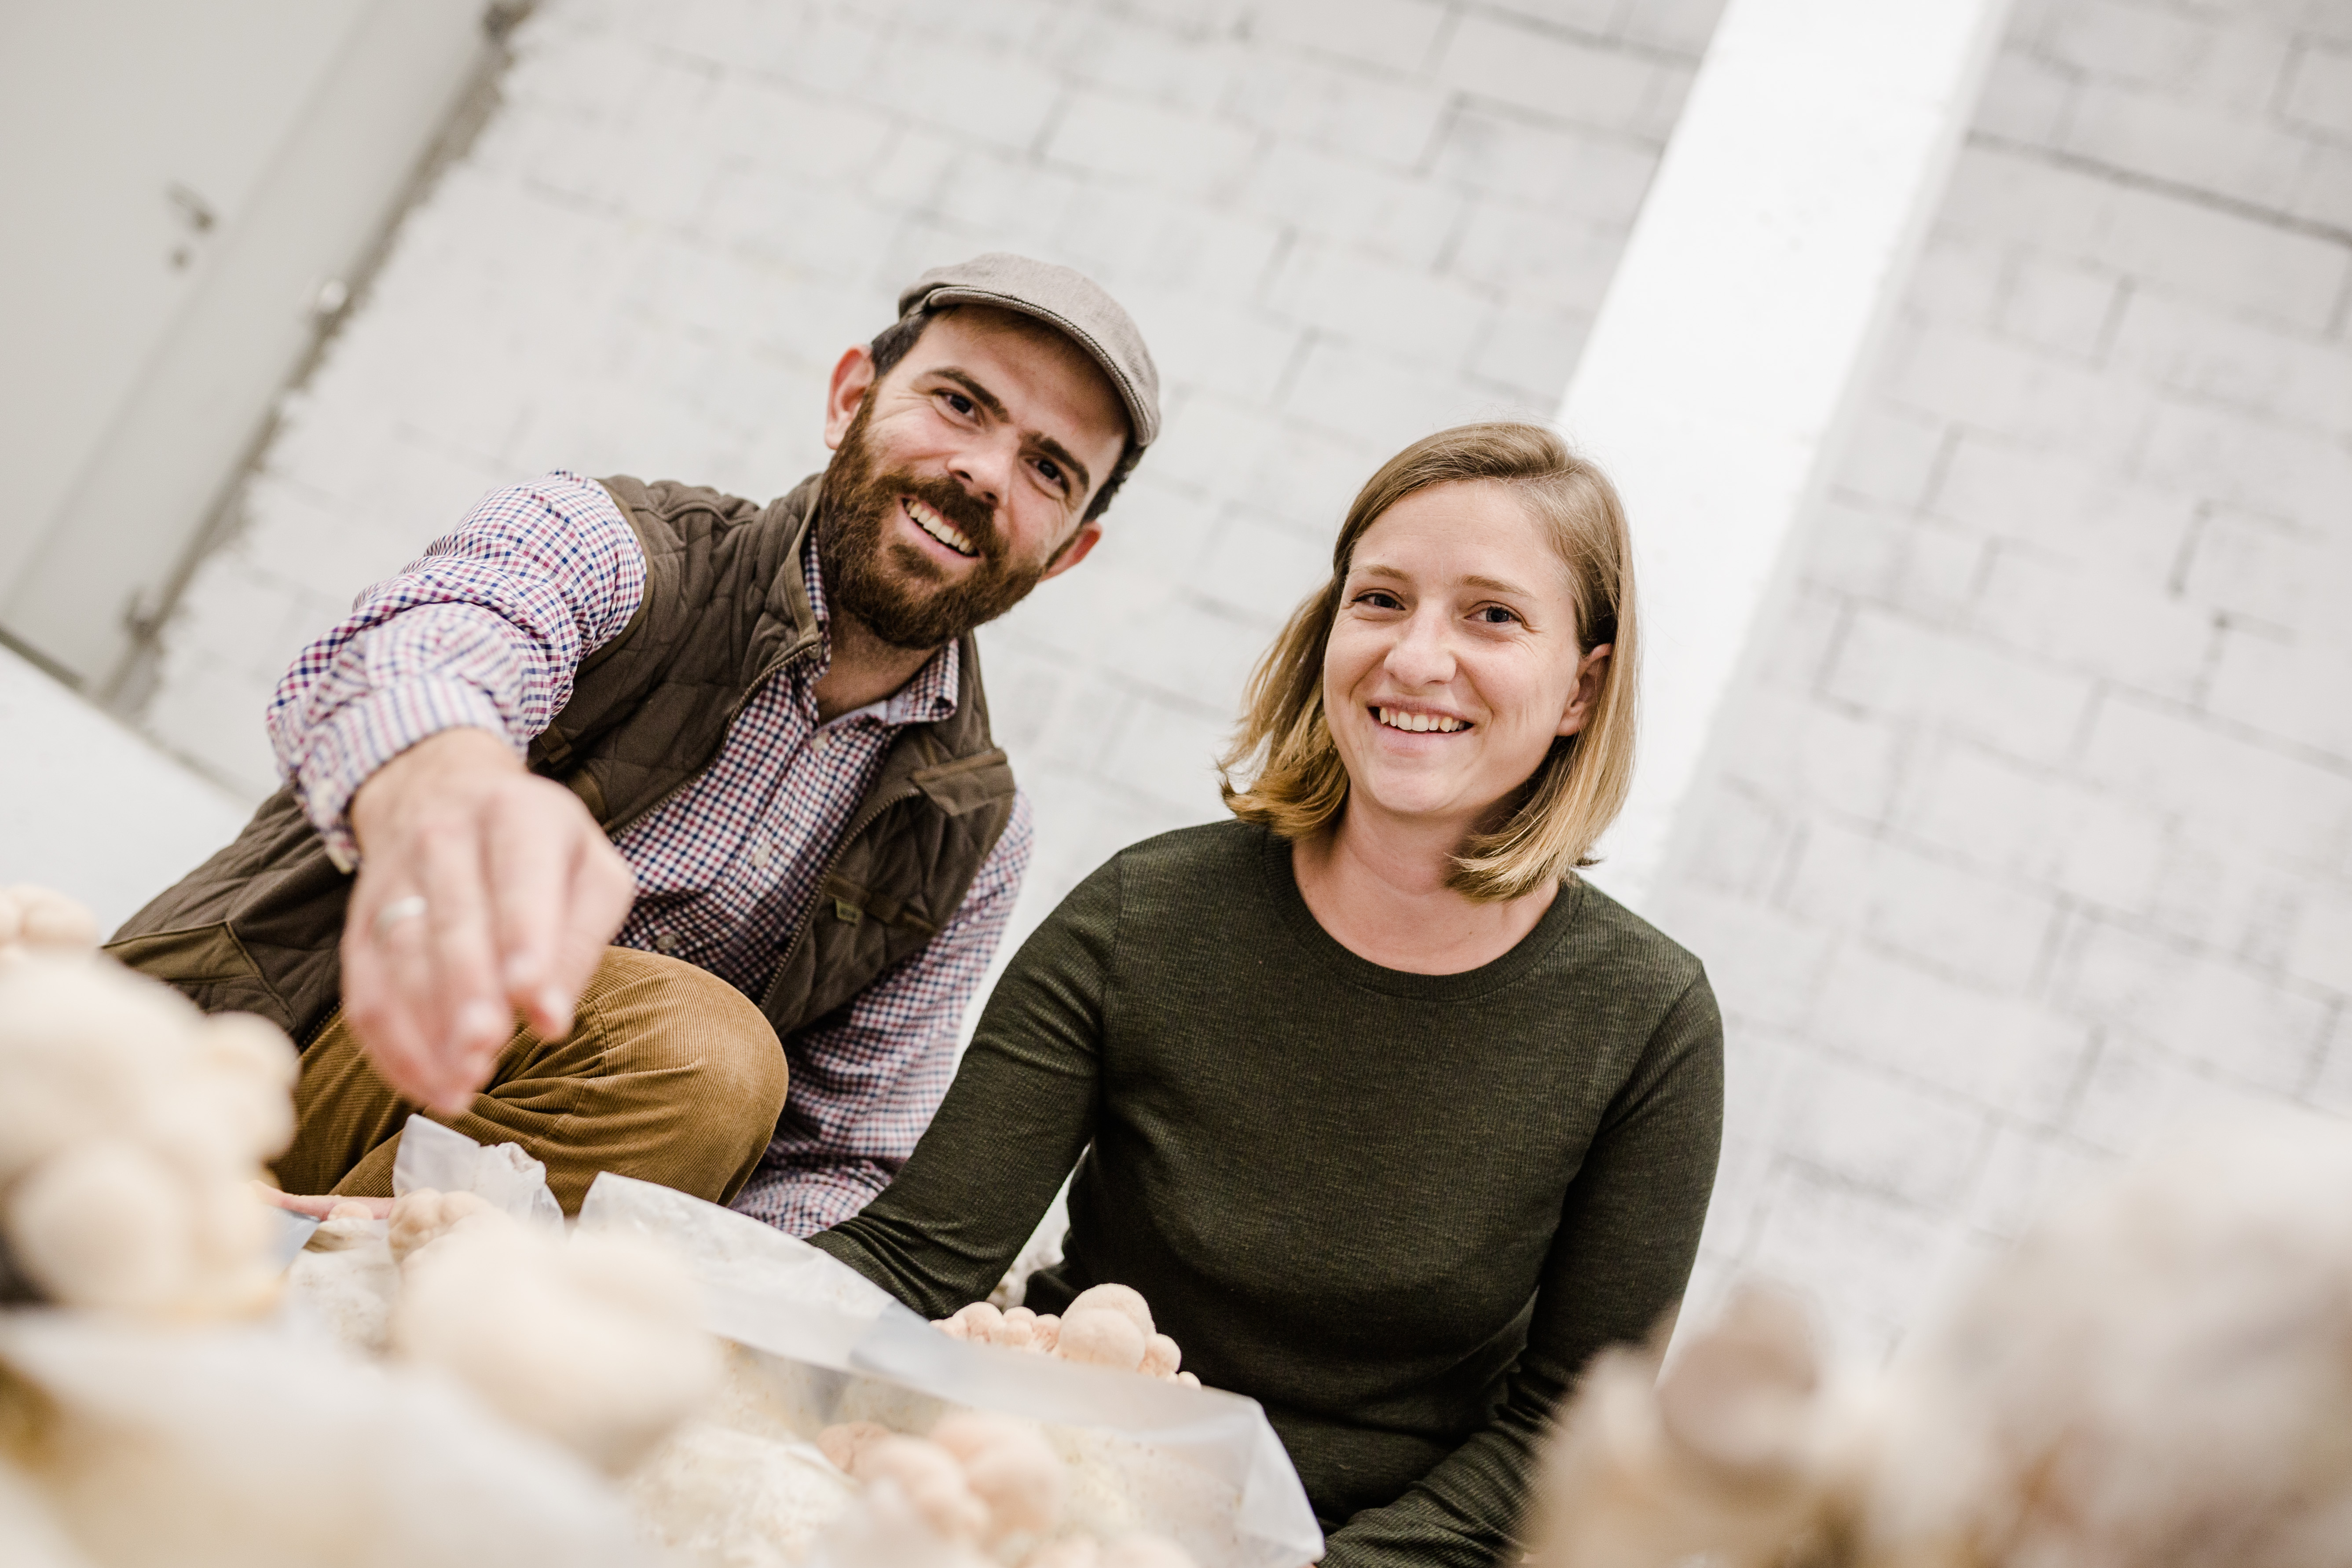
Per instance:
x=210, y=966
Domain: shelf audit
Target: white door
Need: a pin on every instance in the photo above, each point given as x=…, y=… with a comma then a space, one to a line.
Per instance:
x=186, y=188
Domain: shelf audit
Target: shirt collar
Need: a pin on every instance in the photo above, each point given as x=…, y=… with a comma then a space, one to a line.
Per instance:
x=927, y=697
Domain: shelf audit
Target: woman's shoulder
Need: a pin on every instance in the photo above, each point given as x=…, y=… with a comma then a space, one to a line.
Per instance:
x=1607, y=937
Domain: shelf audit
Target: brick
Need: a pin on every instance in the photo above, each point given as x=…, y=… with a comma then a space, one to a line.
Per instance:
x=1262, y=569
x=1956, y=282
x=1890, y=456
x=1337, y=109
x=2083, y=617
x=1681, y=27
x=2026, y=98
x=1997, y=1052
x=1853, y=547
x=1380, y=399
x=2330, y=1090
x=1391, y=34
x=1896, y=668
x=1548, y=74
x=1567, y=173
x=2322, y=948
x=2019, y=393
x=1400, y=218
x=1870, y=1260
x=1740, y=844
x=1528, y=353
x=1593, y=18
x=2060, y=307
x=1954, y=922
x=2118, y=42
x=760, y=121
x=2201, y=1009
x=2027, y=1171
x=1401, y=311
x=2252, y=365
x=1942, y=572
x=2225, y=259
x=2300, y=694
x=2056, y=502
x=1169, y=753
x=2324, y=194
x=1806, y=754
x=1143, y=63
x=2223, y=455
x=1156, y=147
x=2253, y=567
x=1880, y=1135
x=2215, y=151
x=1126, y=236
x=2236, y=790
x=2028, y=822
x=1565, y=262
x=1766, y=965
x=2137, y=1093
x=2318, y=90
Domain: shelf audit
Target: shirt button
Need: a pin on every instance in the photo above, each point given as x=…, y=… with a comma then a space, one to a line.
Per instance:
x=761, y=854
x=667, y=944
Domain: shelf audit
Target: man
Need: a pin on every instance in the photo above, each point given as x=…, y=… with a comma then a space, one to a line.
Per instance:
x=748, y=745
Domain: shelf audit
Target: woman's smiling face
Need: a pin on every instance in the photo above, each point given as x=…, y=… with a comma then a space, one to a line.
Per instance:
x=1453, y=661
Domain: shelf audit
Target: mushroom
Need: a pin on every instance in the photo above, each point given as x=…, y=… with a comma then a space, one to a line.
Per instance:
x=929, y=1479
x=1008, y=1468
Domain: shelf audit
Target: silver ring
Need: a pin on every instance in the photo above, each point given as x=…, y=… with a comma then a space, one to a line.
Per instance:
x=399, y=909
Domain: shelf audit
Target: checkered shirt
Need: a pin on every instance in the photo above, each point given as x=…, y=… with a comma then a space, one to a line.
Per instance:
x=487, y=629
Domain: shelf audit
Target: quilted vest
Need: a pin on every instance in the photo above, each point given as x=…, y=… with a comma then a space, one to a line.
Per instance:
x=257, y=927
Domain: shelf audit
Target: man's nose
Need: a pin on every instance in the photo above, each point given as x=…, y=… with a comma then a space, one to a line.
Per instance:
x=986, y=467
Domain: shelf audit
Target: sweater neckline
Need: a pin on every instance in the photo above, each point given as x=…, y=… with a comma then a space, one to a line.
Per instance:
x=1281, y=888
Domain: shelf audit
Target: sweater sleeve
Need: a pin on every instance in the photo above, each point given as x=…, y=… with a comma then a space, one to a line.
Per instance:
x=1628, y=1234
x=1019, y=1113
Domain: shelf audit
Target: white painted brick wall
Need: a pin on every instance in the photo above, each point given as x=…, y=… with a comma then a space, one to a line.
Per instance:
x=2036, y=834
x=1341, y=223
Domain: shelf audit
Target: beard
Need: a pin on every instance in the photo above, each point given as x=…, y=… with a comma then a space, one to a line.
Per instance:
x=900, y=593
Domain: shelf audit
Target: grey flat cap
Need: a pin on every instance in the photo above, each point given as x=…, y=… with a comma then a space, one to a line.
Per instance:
x=1070, y=302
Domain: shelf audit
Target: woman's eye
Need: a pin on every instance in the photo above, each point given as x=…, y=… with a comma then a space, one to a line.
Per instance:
x=1379, y=599
x=1496, y=616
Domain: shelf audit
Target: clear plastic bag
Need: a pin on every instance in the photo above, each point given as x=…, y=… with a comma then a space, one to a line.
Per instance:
x=1200, y=1466
x=433, y=1156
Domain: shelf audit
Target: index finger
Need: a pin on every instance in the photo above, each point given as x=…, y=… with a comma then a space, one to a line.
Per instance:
x=528, y=869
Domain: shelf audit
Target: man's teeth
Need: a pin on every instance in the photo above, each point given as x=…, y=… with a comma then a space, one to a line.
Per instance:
x=1398, y=719
x=941, y=529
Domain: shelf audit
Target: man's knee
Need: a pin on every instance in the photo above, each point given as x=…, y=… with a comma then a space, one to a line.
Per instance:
x=662, y=1015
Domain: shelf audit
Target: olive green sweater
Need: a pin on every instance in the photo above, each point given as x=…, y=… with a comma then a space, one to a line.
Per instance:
x=1400, y=1211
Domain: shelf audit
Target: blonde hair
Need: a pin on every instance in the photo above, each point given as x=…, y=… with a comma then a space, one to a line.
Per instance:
x=1297, y=784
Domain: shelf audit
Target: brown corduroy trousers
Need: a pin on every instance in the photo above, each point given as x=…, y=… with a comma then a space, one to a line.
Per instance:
x=670, y=1074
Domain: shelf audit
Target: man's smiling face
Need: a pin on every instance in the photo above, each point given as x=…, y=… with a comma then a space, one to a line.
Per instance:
x=960, y=480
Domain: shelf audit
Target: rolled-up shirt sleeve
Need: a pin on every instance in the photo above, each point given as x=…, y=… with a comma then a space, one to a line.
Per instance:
x=486, y=629
x=865, y=1087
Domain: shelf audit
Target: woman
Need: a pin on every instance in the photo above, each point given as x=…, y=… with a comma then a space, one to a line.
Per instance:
x=1393, y=1119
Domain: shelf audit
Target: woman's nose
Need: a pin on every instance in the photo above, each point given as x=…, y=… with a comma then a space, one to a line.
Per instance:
x=1422, y=654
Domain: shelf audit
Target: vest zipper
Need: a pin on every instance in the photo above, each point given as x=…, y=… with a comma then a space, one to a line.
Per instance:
x=867, y=816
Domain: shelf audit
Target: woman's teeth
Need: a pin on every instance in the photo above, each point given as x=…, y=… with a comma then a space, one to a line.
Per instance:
x=1398, y=719
x=939, y=527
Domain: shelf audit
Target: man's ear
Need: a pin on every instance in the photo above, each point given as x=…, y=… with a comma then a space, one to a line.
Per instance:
x=853, y=377
x=1075, y=550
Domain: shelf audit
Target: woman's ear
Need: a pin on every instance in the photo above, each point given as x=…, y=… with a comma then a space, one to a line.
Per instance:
x=853, y=378
x=1592, y=671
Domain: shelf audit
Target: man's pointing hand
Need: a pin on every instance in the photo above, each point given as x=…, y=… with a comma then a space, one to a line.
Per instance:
x=484, y=892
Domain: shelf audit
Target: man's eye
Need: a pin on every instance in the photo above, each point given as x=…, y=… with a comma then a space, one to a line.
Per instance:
x=958, y=401
x=1053, y=472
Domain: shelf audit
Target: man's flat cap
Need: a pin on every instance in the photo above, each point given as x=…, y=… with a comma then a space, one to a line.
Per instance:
x=1071, y=302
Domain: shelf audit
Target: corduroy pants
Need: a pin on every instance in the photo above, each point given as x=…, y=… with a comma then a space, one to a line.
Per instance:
x=670, y=1074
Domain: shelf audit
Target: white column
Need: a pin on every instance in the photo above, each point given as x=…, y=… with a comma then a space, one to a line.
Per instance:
x=1740, y=326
